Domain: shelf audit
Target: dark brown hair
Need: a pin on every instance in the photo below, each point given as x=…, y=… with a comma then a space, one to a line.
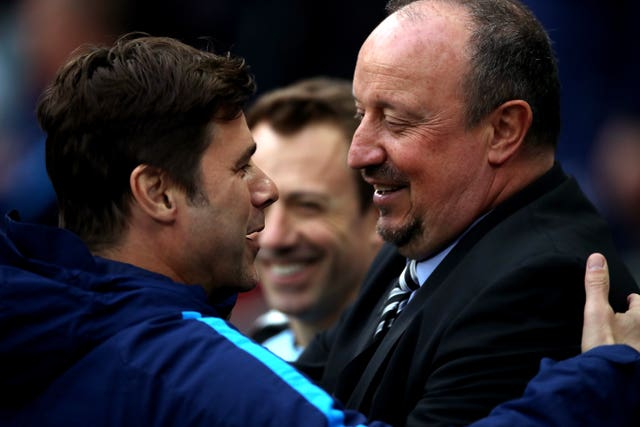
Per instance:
x=145, y=100
x=315, y=100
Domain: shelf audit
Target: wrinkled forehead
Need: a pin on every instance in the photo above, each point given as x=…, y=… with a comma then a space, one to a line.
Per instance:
x=413, y=58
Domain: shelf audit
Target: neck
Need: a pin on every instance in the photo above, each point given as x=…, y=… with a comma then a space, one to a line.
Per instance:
x=518, y=174
x=304, y=330
x=134, y=249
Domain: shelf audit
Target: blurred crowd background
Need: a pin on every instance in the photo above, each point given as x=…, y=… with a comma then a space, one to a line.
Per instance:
x=596, y=43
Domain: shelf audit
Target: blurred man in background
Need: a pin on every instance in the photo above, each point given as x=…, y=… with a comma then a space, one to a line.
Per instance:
x=320, y=237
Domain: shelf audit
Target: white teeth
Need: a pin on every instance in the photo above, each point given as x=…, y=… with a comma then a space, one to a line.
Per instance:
x=381, y=189
x=384, y=190
x=286, y=269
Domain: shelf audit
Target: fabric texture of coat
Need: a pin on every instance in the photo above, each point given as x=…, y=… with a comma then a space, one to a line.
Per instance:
x=85, y=341
x=509, y=293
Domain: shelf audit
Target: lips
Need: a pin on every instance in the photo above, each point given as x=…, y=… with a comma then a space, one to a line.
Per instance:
x=285, y=276
x=252, y=242
x=386, y=189
x=255, y=229
x=252, y=238
x=388, y=196
x=381, y=190
x=285, y=270
x=291, y=269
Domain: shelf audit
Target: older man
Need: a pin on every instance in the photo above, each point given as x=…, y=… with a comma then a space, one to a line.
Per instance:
x=459, y=107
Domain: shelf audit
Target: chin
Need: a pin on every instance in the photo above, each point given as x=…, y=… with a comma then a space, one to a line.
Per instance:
x=402, y=235
x=250, y=283
x=288, y=305
x=409, y=239
x=245, y=280
x=248, y=288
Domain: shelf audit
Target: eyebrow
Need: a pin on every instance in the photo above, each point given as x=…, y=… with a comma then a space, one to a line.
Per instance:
x=309, y=195
x=248, y=153
x=378, y=104
x=382, y=105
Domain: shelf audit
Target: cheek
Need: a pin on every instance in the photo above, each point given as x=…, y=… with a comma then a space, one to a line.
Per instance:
x=229, y=223
x=431, y=192
x=340, y=227
x=347, y=241
x=240, y=199
x=450, y=171
x=317, y=231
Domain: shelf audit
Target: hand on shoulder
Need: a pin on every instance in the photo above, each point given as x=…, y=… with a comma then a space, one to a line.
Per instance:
x=601, y=325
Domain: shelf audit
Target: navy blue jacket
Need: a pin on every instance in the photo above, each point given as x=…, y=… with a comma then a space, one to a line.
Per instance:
x=88, y=341
x=85, y=341
x=599, y=388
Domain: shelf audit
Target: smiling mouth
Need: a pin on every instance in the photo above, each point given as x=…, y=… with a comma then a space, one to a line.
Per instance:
x=253, y=235
x=386, y=189
x=251, y=240
x=284, y=270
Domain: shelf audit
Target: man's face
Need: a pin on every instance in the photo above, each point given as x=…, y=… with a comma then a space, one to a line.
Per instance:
x=430, y=173
x=222, y=230
x=316, y=245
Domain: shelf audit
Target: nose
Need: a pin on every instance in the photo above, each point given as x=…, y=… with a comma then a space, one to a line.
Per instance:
x=263, y=190
x=279, y=229
x=365, y=149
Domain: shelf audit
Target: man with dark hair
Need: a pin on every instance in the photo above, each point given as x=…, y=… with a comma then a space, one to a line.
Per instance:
x=320, y=236
x=459, y=108
x=151, y=159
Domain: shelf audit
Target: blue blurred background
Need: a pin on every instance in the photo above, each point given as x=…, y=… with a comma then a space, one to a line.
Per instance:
x=596, y=43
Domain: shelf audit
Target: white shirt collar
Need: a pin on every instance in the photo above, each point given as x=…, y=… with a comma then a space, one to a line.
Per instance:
x=425, y=268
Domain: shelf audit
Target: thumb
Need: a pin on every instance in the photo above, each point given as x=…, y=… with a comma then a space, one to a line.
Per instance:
x=634, y=302
x=597, y=312
x=596, y=280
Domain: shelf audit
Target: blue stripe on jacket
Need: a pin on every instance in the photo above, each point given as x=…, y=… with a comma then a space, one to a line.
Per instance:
x=298, y=382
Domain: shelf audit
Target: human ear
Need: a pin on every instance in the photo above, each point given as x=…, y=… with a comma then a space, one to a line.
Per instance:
x=154, y=193
x=510, y=123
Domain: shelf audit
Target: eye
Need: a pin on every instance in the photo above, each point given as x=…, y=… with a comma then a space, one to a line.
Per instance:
x=245, y=169
x=395, y=124
x=392, y=121
x=309, y=208
x=359, y=115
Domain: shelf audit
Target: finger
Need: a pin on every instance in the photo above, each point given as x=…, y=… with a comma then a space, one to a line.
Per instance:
x=597, y=312
x=634, y=301
x=596, y=280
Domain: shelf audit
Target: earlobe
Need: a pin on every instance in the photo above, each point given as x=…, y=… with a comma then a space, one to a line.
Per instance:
x=510, y=122
x=152, y=191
